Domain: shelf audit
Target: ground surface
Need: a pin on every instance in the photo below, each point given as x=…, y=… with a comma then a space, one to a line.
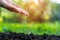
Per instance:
x=22, y=36
x=32, y=31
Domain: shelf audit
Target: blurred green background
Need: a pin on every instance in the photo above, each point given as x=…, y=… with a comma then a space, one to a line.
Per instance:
x=44, y=17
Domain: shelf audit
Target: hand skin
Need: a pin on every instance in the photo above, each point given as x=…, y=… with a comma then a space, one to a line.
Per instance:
x=9, y=5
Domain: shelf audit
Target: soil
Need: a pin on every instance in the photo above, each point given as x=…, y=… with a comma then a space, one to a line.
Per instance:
x=22, y=36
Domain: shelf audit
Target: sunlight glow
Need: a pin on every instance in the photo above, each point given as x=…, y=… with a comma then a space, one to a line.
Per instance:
x=36, y=1
x=56, y=1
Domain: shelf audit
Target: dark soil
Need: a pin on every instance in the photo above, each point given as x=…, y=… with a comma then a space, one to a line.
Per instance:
x=22, y=36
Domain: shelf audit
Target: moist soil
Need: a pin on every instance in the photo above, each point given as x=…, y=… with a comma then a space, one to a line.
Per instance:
x=22, y=36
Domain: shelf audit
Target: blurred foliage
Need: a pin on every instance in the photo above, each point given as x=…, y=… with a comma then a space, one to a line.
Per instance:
x=37, y=11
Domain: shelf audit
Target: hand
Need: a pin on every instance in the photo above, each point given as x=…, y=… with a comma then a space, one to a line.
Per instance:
x=9, y=5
